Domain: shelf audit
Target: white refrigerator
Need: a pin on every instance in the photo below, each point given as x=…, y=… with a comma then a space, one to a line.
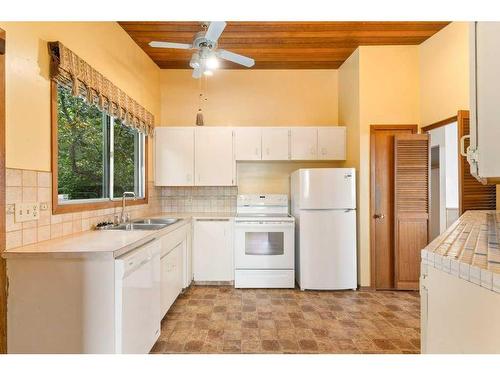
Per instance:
x=324, y=207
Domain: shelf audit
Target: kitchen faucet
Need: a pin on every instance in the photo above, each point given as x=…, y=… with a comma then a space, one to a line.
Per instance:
x=126, y=194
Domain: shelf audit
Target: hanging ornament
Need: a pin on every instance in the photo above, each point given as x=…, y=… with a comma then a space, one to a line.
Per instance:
x=199, y=114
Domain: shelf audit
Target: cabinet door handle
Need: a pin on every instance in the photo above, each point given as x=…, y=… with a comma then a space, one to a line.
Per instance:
x=463, y=151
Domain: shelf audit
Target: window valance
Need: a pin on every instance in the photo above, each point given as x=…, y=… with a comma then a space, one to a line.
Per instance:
x=70, y=70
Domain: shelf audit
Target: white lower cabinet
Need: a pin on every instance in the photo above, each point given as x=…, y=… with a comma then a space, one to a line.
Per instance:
x=187, y=259
x=175, y=266
x=93, y=303
x=170, y=277
x=213, y=250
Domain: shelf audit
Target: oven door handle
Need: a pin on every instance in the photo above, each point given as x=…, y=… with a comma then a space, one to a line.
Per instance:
x=273, y=223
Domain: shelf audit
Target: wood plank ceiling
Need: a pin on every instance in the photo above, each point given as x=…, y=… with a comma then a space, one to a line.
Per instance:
x=281, y=45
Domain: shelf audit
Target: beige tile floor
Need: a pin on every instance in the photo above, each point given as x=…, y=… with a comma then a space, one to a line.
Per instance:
x=214, y=319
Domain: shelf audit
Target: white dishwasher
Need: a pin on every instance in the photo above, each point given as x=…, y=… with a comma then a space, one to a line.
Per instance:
x=137, y=299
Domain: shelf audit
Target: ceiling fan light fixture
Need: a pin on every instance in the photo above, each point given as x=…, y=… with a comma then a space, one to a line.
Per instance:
x=195, y=61
x=205, y=59
x=212, y=63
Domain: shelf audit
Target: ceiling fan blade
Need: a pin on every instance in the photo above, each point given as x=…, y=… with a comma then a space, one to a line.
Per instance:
x=236, y=58
x=170, y=45
x=215, y=29
x=197, y=73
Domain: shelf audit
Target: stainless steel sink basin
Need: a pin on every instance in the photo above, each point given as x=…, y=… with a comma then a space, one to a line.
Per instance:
x=145, y=224
x=137, y=226
x=159, y=220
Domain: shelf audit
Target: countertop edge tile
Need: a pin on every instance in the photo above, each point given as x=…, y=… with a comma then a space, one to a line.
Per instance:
x=474, y=262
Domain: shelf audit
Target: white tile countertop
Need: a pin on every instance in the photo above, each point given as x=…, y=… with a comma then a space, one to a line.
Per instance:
x=468, y=249
x=104, y=243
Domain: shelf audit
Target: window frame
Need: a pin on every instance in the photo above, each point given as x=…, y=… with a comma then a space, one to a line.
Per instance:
x=83, y=205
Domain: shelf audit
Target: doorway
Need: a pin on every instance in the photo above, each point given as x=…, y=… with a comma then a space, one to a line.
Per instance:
x=453, y=189
x=382, y=244
x=435, y=229
x=444, y=178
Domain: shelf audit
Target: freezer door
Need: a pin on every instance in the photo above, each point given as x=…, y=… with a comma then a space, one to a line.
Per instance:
x=328, y=249
x=325, y=188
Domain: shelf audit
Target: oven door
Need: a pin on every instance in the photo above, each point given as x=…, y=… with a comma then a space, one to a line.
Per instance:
x=264, y=245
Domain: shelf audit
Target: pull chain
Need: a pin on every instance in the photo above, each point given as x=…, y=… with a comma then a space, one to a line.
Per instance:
x=199, y=114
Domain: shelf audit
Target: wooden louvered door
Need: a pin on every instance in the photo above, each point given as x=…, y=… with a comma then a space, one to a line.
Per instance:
x=411, y=207
x=473, y=195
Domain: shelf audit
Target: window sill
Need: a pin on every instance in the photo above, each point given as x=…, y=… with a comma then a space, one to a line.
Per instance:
x=65, y=208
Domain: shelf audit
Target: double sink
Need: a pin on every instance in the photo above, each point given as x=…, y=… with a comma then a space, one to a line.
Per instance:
x=145, y=224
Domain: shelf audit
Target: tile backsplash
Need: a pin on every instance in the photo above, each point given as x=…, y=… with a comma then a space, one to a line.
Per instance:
x=27, y=186
x=218, y=199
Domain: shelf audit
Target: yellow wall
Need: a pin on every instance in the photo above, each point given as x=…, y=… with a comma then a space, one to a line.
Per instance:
x=386, y=79
x=389, y=94
x=254, y=98
x=349, y=112
x=104, y=45
x=251, y=97
x=444, y=73
x=273, y=177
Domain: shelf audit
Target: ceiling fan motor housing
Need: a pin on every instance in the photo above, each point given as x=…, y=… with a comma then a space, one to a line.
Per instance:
x=201, y=42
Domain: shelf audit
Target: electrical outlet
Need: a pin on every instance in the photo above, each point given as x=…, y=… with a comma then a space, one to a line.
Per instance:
x=11, y=209
x=27, y=212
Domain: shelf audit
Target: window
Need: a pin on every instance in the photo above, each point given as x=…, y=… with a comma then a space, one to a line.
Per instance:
x=98, y=158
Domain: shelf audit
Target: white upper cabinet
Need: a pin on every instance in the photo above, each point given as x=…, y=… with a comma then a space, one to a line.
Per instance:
x=174, y=156
x=214, y=160
x=483, y=153
x=247, y=143
x=304, y=143
x=331, y=143
x=206, y=156
x=275, y=144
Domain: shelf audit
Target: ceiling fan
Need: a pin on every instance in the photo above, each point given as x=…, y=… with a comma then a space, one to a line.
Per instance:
x=204, y=60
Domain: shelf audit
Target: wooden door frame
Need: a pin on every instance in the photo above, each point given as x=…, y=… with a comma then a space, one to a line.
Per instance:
x=460, y=117
x=373, y=129
x=3, y=272
x=447, y=121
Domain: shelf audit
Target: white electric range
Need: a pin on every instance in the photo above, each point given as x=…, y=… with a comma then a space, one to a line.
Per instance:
x=264, y=242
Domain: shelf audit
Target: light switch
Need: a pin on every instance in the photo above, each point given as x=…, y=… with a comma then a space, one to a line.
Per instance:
x=27, y=212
